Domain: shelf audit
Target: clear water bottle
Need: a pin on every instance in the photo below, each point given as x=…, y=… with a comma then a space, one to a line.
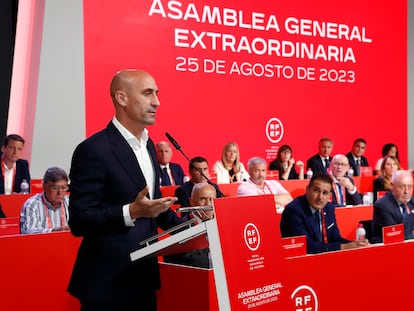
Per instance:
x=360, y=232
x=24, y=187
x=309, y=173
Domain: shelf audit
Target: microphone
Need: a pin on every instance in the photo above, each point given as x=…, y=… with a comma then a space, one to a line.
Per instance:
x=177, y=146
x=173, y=141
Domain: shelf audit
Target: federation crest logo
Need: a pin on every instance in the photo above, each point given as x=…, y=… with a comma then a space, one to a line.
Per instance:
x=304, y=298
x=251, y=236
x=274, y=130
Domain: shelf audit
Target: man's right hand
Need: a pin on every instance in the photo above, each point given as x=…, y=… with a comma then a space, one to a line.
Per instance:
x=144, y=207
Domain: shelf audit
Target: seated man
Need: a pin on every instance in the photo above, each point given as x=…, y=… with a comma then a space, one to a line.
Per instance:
x=395, y=207
x=197, y=165
x=257, y=184
x=344, y=191
x=356, y=156
x=13, y=169
x=201, y=195
x=313, y=215
x=319, y=163
x=171, y=173
x=47, y=211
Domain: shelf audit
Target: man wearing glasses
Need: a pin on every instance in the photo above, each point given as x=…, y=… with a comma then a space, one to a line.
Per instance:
x=313, y=216
x=344, y=191
x=47, y=211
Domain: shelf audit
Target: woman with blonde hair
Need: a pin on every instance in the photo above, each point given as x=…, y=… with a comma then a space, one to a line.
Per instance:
x=389, y=165
x=229, y=169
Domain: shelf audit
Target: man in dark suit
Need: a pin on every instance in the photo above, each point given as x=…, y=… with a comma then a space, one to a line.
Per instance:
x=313, y=215
x=13, y=169
x=196, y=165
x=115, y=202
x=171, y=173
x=355, y=156
x=319, y=163
x=395, y=207
x=344, y=191
x=202, y=194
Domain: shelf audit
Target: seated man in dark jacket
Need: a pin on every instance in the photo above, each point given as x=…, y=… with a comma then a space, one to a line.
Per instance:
x=313, y=215
x=201, y=195
x=395, y=207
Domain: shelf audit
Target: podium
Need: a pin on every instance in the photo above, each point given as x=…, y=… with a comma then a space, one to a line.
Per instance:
x=252, y=271
x=242, y=239
x=187, y=238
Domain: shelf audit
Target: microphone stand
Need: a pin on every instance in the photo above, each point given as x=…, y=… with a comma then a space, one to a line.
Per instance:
x=178, y=147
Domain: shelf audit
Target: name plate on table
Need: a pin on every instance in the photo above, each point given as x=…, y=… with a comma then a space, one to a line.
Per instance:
x=10, y=226
x=366, y=170
x=294, y=246
x=393, y=234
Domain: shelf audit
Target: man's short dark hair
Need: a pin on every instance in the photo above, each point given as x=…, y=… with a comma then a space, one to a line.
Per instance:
x=325, y=178
x=14, y=137
x=196, y=160
x=360, y=140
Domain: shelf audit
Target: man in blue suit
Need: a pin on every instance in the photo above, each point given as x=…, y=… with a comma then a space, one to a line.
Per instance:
x=171, y=173
x=395, y=207
x=115, y=202
x=13, y=169
x=313, y=215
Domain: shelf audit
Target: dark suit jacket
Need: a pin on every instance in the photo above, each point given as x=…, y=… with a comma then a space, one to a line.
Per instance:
x=316, y=165
x=105, y=175
x=297, y=219
x=177, y=173
x=387, y=213
x=2, y=215
x=275, y=166
x=22, y=172
x=353, y=165
x=183, y=193
x=196, y=258
x=351, y=199
x=378, y=185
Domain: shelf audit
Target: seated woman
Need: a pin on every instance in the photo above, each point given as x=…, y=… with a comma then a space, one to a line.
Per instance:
x=389, y=165
x=229, y=169
x=285, y=164
x=389, y=149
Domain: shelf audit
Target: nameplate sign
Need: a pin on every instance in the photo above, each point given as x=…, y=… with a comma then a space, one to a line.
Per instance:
x=294, y=246
x=10, y=226
x=393, y=234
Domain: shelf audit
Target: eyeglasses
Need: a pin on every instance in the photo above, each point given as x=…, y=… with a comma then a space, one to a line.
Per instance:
x=338, y=164
x=57, y=188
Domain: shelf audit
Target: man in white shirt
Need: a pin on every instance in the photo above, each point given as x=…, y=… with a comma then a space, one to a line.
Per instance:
x=258, y=185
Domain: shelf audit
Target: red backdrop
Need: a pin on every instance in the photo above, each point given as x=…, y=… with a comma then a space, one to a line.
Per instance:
x=355, y=86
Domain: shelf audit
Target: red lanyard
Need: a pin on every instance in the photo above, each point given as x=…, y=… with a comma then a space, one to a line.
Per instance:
x=324, y=233
x=62, y=213
x=4, y=174
x=337, y=195
x=266, y=189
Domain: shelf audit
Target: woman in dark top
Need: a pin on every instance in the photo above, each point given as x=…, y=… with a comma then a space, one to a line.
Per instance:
x=285, y=164
x=383, y=182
